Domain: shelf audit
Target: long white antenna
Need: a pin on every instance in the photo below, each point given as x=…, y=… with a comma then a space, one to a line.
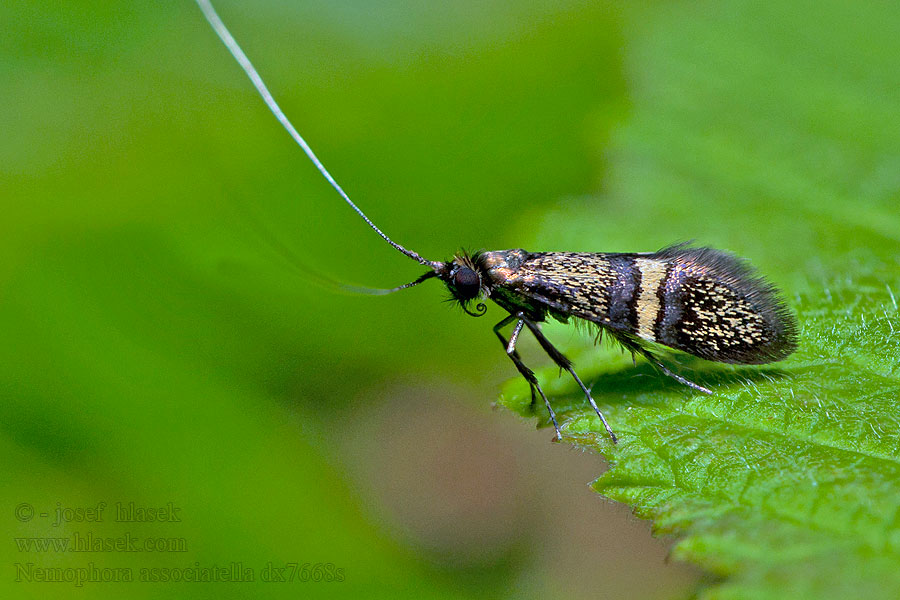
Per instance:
x=219, y=27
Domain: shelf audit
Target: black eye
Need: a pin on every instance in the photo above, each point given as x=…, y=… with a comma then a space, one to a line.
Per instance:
x=466, y=283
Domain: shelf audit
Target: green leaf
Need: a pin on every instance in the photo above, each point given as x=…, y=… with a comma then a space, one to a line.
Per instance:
x=771, y=130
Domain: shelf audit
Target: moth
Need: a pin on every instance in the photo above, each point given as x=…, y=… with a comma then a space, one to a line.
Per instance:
x=701, y=301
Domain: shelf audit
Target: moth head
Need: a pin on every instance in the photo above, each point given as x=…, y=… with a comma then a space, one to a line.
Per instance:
x=464, y=280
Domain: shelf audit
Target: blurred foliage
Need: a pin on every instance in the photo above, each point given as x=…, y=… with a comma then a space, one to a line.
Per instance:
x=771, y=130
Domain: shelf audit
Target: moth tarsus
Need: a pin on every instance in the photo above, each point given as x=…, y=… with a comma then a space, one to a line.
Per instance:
x=701, y=301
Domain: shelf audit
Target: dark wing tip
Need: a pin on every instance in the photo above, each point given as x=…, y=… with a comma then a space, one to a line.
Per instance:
x=778, y=329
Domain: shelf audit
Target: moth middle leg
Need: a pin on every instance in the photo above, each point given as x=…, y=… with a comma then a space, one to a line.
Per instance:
x=564, y=363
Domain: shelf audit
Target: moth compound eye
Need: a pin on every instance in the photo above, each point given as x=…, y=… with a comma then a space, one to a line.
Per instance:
x=466, y=283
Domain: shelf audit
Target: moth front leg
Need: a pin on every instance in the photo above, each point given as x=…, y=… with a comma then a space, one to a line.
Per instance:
x=510, y=347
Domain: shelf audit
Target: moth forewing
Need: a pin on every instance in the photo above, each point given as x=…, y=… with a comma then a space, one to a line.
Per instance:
x=702, y=301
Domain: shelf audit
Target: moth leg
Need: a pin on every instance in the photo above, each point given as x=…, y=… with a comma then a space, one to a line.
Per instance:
x=510, y=347
x=511, y=352
x=649, y=356
x=566, y=364
x=635, y=347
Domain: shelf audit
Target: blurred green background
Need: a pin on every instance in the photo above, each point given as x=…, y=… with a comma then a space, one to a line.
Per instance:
x=165, y=342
